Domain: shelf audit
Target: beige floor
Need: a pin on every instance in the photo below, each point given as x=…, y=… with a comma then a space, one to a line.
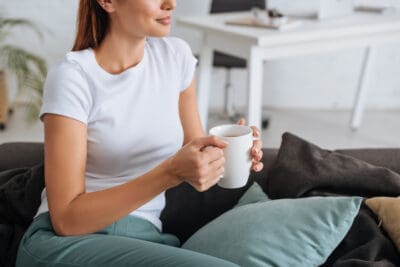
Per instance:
x=327, y=129
x=331, y=130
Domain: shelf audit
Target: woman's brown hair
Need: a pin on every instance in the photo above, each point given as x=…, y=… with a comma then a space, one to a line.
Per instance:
x=92, y=25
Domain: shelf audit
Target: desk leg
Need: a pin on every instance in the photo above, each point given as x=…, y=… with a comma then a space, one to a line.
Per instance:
x=254, y=104
x=359, y=100
x=203, y=92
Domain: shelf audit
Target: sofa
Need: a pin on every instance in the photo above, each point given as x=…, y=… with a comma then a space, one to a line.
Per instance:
x=183, y=218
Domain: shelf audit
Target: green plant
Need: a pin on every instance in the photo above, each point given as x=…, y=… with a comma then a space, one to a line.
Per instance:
x=27, y=68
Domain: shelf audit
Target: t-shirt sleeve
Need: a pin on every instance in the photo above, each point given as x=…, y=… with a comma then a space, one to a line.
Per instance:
x=188, y=63
x=66, y=93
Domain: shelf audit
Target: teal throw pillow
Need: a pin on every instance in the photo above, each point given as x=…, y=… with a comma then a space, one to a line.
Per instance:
x=254, y=194
x=283, y=232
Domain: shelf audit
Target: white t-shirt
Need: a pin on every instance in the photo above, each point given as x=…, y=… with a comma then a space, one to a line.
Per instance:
x=132, y=118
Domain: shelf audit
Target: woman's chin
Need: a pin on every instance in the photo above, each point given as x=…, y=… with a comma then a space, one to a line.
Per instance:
x=160, y=32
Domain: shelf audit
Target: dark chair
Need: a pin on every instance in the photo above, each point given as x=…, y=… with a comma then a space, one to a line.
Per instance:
x=227, y=61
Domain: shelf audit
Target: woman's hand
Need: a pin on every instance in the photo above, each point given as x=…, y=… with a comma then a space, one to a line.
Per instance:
x=256, y=152
x=200, y=162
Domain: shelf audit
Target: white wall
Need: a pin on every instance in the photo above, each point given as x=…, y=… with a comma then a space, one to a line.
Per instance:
x=324, y=82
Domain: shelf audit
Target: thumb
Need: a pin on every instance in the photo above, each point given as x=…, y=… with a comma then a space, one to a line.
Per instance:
x=211, y=140
x=242, y=121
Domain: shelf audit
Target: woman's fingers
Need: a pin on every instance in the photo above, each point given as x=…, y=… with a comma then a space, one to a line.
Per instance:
x=213, y=153
x=216, y=165
x=205, y=183
x=242, y=121
x=215, y=178
x=257, y=166
x=257, y=148
x=256, y=131
x=213, y=141
x=257, y=155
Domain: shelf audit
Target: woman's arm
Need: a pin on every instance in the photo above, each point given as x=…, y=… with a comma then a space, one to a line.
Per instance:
x=189, y=114
x=72, y=210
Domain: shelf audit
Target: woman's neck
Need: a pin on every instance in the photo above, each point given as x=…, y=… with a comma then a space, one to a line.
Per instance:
x=116, y=54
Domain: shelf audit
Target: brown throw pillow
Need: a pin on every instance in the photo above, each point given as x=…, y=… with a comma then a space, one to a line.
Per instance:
x=388, y=210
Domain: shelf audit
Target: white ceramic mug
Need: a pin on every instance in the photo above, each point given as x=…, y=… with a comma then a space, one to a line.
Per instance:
x=237, y=154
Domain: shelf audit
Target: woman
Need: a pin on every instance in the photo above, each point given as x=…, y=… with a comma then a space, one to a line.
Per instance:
x=121, y=127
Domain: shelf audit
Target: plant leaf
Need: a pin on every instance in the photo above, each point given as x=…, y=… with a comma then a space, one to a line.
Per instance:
x=10, y=23
x=22, y=63
x=29, y=69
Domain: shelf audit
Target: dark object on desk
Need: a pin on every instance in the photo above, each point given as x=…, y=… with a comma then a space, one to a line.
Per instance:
x=274, y=13
x=227, y=61
x=369, y=9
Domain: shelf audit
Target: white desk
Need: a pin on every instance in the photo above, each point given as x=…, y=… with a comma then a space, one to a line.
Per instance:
x=361, y=30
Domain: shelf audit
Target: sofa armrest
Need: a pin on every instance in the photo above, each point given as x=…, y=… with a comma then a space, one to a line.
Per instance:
x=385, y=157
x=20, y=154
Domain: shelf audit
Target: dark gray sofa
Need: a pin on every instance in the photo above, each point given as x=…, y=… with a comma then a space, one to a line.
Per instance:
x=183, y=218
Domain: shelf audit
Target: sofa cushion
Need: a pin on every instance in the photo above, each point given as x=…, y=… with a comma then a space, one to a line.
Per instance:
x=284, y=232
x=20, y=191
x=388, y=210
x=183, y=218
x=253, y=195
x=20, y=154
x=304, y=169
x=20, y=194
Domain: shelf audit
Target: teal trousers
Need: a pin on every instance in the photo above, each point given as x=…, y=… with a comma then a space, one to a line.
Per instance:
x=131, y=241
